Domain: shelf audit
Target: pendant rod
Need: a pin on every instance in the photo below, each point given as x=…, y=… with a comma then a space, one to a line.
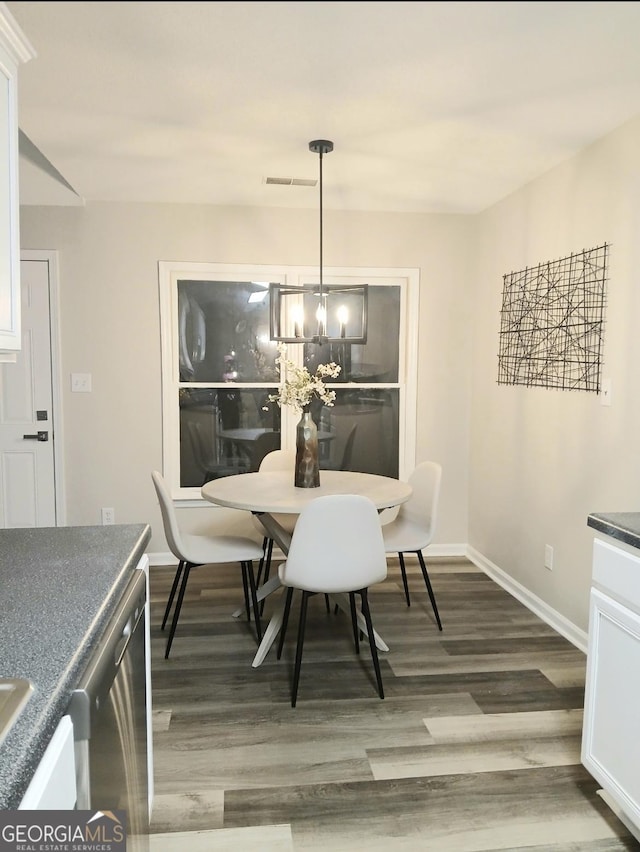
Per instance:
x=321, y=294
x=321, y=147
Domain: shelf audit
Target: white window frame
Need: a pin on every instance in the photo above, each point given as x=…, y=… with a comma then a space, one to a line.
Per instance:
x=170, y=272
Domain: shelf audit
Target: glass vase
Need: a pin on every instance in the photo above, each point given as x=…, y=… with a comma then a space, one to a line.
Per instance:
x=307, y=473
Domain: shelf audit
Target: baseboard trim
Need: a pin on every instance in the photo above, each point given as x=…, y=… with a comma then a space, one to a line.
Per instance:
x=549, y=615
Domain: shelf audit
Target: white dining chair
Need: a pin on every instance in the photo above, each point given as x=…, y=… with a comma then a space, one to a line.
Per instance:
x=413, y=528
x=336, y=547
x=192, y=551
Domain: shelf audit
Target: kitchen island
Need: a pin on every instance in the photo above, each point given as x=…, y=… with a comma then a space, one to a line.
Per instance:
x=610, y=745
x=58, y=589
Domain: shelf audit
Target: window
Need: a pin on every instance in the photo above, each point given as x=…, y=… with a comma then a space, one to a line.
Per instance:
x=218, y=369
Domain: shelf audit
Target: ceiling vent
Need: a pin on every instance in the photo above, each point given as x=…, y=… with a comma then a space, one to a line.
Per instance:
x=282, y=181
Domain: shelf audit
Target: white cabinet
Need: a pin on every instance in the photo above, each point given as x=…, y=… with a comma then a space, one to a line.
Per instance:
x=14, y=49
x=53, y=786
x=610, y=741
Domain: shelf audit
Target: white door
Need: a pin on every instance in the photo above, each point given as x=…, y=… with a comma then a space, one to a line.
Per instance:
x=27, y=466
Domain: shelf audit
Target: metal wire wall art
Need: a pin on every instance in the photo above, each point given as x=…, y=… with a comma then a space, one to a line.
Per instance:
x=552, y=323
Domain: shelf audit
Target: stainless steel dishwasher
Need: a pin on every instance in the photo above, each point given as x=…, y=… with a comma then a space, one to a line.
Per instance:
x=108, y=710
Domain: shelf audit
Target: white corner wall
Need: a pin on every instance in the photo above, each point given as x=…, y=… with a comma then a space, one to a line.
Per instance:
x=542, y=460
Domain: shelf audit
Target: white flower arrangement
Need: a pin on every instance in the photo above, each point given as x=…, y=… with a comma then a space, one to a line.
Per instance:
x=299, y=387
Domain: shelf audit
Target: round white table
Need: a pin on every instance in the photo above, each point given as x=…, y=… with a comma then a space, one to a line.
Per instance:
x=272, y=492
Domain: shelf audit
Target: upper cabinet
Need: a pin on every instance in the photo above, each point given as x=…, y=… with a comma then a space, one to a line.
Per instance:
x=14, y=50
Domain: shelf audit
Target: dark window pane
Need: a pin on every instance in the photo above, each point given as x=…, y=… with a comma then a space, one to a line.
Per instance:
x=377, y=360
x=364, y=429
x=223, y=332
x=225, y=431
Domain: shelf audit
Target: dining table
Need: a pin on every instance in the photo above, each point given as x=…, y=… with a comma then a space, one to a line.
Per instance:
x=268, y=494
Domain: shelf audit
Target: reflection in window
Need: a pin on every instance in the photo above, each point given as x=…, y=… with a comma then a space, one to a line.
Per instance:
x=224, y=363
x=224, y=338
x=360, y=431
x=225, y=431
x=363, y=423
x=223, y=330
x=377, y=360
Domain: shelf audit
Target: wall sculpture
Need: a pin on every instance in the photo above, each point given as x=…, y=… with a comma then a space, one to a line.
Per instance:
x=552, y=323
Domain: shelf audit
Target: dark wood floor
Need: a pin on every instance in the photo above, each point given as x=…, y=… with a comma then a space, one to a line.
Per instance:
x=476, y=745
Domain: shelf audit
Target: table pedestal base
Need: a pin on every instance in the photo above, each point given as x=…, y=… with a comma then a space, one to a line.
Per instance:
x=273, y=628
x=283, y=540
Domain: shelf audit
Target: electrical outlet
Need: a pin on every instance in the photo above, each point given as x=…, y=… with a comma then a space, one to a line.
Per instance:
x=108, y=517
x=548, y=557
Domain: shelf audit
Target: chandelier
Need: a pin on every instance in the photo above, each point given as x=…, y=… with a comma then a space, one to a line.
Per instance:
x=318, y=313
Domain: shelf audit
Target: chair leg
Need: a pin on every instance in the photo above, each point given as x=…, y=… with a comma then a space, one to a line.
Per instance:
x=404, y=579
x=176, y=613
x=372, y=641
x=285, y=621
x=354, y=622
x=267, y=568
x=245, y=589
x=427, y=581
x=247, y=569
x=267, y=561
x=172, y=593
x=301, y=626
x=327, y=604
x=265, y=541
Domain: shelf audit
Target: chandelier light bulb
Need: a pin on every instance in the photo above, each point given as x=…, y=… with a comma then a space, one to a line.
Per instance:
x=321, y=316
x=343, y=317
x=297, y=316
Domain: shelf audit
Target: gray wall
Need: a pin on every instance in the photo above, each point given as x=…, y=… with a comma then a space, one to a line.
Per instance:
x=109, y=307
x=542, y=460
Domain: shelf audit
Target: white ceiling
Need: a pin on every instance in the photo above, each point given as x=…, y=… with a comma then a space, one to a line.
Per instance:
x=433, y=107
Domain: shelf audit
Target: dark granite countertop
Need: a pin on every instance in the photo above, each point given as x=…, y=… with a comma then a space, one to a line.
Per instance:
x=58, y=588
x=623, y=526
